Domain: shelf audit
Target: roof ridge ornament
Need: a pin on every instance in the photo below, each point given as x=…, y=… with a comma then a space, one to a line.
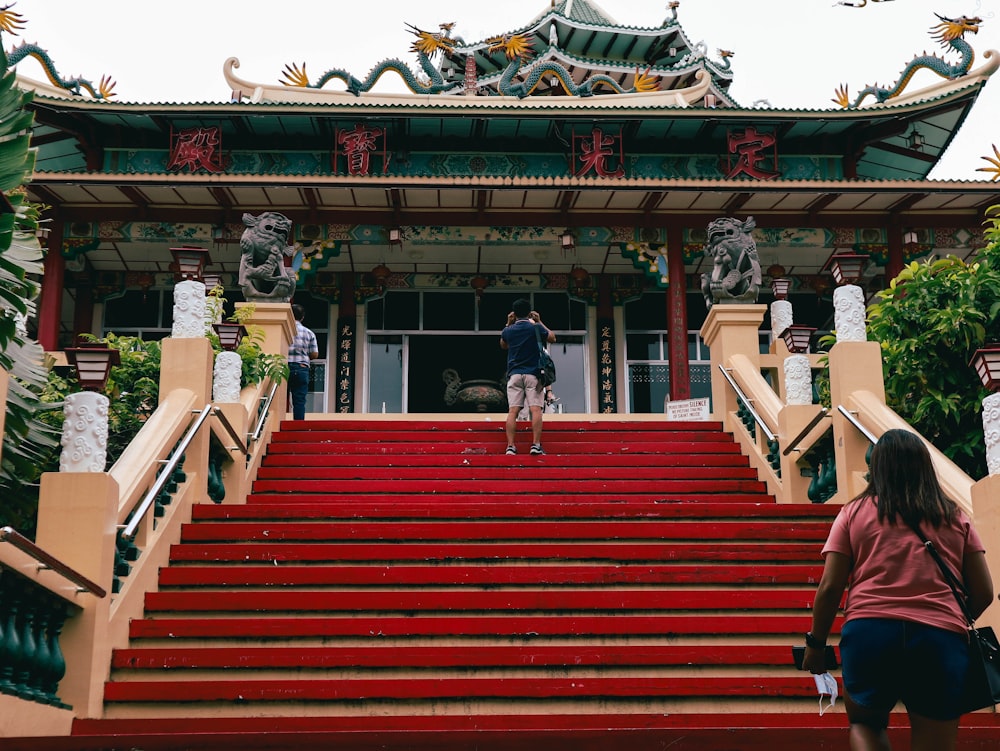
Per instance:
x=950, y=32
x=12, y=22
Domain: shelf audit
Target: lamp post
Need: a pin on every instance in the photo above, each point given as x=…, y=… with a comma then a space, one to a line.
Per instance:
x=847, y=268
x=797, y=338
x=848, y=298
x=189, y=292
x=85, y=424
x=986, y=363
x=228, y=370
x=189, y=262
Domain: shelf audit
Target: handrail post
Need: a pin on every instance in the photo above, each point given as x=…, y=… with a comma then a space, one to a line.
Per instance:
x=235, y=476
x=276, y=322
x=730, y=330
x=187, y=363
x=76, y=523
x=854, y=366
x=792, y=420
x=986, y=516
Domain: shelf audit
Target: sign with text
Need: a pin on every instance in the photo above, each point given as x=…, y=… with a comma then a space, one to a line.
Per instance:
x=687, y=409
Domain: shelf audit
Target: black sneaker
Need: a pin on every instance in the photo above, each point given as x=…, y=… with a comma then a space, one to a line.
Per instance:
x=536, y=449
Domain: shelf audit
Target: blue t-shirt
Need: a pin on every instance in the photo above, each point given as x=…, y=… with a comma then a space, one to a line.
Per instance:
x=522, y=346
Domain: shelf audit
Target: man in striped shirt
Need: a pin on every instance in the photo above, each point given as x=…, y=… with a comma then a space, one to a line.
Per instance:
x=302, y=349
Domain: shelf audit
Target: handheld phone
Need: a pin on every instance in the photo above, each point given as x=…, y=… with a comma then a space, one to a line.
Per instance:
x=799, y=654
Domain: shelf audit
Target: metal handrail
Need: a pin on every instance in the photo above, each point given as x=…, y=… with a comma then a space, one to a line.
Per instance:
x=265, y=410
x=231, y=430
x=747, y=403
x=22, y=543
x=794, y=445
x=872, y=438
x=130, y=529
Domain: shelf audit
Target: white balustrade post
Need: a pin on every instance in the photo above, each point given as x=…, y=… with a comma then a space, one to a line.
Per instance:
x=226, y=382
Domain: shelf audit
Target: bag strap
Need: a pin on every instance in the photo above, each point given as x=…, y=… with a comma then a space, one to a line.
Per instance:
x=957, y=586
x=538, y=336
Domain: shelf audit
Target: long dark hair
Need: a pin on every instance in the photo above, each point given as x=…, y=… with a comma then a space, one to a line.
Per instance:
x=904, y=483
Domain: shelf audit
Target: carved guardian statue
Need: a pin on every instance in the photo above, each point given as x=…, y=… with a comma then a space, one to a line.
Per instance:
x=735, y=277
x=264, y=245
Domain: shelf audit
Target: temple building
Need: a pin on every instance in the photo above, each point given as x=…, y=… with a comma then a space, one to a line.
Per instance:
x=573, y=161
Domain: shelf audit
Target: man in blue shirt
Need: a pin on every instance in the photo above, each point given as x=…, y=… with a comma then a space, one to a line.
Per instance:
x=523, y=384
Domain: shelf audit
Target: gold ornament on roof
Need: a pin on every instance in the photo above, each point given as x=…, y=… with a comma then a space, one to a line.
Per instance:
x=994, y=164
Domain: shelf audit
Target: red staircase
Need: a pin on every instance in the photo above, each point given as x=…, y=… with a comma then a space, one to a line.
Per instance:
x=405, y=585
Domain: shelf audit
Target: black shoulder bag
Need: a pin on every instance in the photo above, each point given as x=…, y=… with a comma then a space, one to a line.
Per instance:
x=546, y=368
x=982, y=682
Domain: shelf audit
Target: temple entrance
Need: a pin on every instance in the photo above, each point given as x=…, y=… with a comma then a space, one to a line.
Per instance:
x=439, y=352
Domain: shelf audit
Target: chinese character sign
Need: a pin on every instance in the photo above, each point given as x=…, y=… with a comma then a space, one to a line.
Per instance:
x=196, y=148
x=606, y=366
x=752, y=153
x=345, y=365
x=599, y=153
x=358, y=147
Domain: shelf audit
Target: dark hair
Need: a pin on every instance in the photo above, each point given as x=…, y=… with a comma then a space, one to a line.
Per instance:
x=299, y=312
x=521, y=307
x=903, y=481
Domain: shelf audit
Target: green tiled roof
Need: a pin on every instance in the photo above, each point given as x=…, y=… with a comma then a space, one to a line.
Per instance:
x=585, y=11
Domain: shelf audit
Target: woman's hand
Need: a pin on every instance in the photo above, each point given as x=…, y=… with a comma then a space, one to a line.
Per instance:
x=814, y=660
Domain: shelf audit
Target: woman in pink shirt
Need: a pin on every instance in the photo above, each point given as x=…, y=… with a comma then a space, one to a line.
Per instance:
x=904, y=636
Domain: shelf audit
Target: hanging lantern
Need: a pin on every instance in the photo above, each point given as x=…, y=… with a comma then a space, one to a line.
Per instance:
x=381, y=273
x=479, y=283
x=580, y=277
x=567, y=241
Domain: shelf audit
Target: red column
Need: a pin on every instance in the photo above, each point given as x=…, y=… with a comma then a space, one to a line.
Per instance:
x=53, y=281
x=895, y=262
x=677, y=343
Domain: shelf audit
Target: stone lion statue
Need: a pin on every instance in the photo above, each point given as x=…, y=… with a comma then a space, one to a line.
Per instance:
x=264, y=245
x=735, y=276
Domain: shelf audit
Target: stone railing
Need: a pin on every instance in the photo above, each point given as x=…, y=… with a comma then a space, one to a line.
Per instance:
x=807, y=453
x=115, y=528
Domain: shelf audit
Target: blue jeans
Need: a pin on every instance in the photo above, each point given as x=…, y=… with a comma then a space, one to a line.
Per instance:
x=298, y=387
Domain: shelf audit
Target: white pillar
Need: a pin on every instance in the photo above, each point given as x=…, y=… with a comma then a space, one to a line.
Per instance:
x=849, y=313
x=226, y=381
x=991, y=431
x=781, y=317
x=84, y=433
x=798, y=380
x=189, y=310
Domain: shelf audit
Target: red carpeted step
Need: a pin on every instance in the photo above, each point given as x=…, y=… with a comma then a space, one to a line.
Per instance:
x=530, y=626
x=535, y=656
x=485, y=575
x=493, y=456
x=518, y=508
x=527, y=495
x=630, y=552
x=493, y=474
x=374, y=689
x=526, y=731
x=459, y=529
x=554, y=445
x=546, y=600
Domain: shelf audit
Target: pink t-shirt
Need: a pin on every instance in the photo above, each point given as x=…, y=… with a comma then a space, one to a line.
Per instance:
x=892, y=574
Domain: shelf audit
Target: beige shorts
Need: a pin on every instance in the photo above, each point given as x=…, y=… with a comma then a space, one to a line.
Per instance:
x=524, y=389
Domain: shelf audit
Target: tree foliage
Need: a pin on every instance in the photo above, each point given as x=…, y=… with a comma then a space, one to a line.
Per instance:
x=930, y=321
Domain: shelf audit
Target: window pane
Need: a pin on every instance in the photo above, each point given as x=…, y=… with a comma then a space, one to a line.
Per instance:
x=642, y=347
x=135, y=309
x=402, y=311
x=449, y=311
x=553, y=307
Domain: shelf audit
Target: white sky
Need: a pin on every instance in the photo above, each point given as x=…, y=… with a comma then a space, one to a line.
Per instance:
x=792, y=53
